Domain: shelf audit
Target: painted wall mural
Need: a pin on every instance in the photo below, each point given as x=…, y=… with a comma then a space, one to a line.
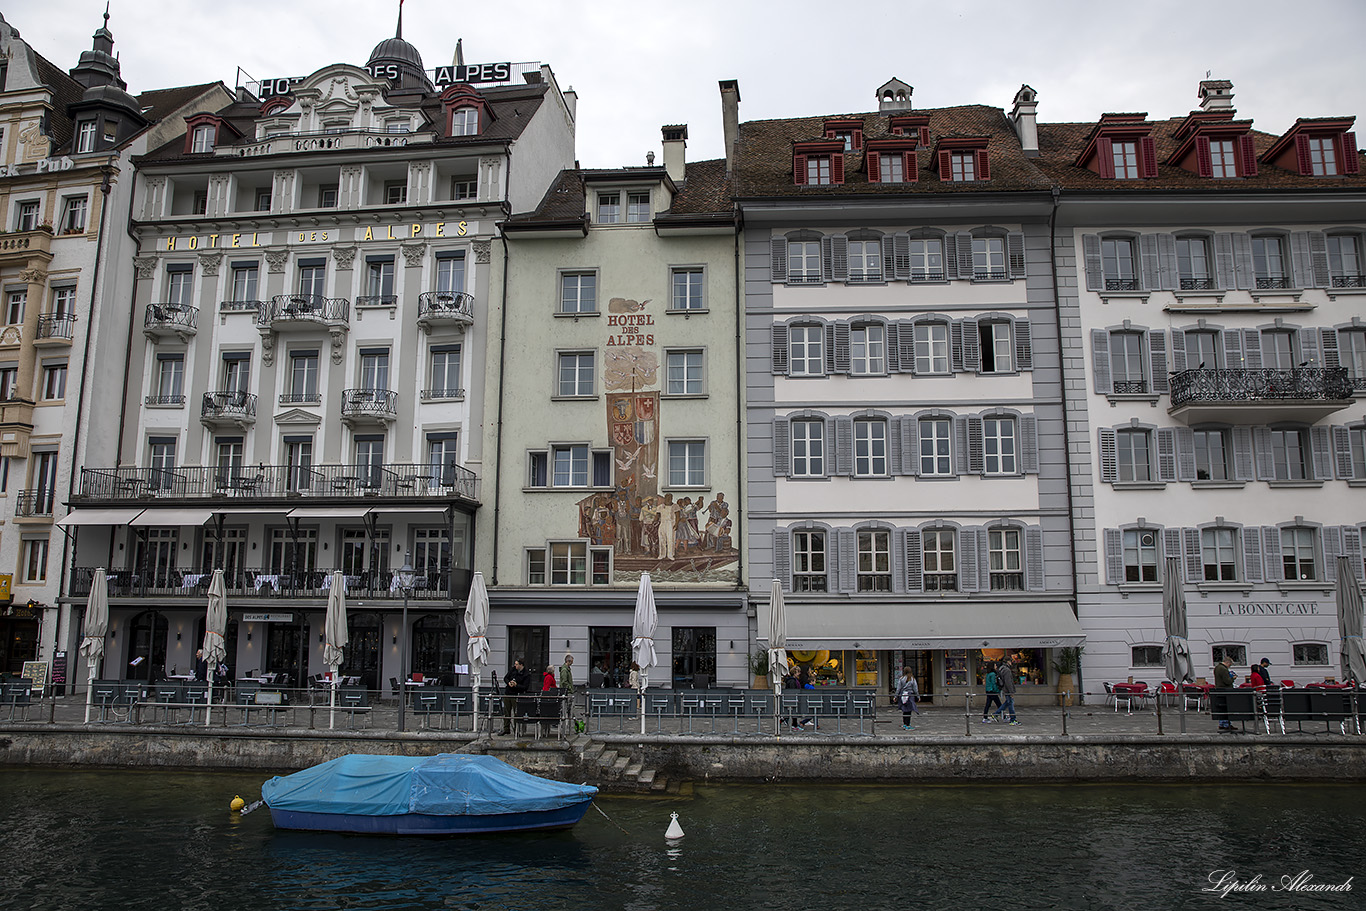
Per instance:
x=676, y=539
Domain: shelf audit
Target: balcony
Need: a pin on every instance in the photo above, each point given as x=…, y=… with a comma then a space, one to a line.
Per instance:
x=165, y=321
x=34, y=505
x=445, y=310
x=26, y=243
x=54, y=331
x=228, y=409
x=295, y=312
x=285, y=483
x=1247, y=396
x=369, y=407
x=268, y=583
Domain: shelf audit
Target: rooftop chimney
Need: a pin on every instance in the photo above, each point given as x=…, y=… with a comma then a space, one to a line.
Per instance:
x=1216, y=95
x=730, y=119
x=675, y=146
x=1025, y=120
x=894, y=95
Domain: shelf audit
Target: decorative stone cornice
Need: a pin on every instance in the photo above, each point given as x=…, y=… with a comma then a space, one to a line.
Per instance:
x=146, y=267
x=344, y=257
x=275, y=260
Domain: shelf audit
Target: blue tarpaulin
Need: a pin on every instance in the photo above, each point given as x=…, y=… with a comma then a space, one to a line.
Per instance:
x=449, y=784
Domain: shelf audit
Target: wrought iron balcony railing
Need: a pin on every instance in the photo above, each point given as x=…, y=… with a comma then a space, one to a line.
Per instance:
x=272, y=582
x=170, y=316
x=228, y=404
x=35, y=502
x=56, y=327
x=1273, y=282
x=430, y=394
x=1121, y=284
x=456, y=305
x=243, y=306
x=1349, y=281
x=1309, y=384
x=306, y=307
x=1197, y=284
x=377, y=300
x=300, y=398
x=380, y=403
x=200, y=482
x=164, y=400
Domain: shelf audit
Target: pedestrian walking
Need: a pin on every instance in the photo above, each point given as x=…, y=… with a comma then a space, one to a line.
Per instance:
x=907, y=694
x=992, y=684
x=1005, y=677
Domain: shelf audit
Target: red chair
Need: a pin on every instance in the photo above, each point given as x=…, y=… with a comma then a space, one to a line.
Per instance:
x=1166, y=689
x=417, y=678
x=1288, y=684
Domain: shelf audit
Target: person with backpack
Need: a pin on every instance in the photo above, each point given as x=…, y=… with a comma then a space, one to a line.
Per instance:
x=992, y=684
x=1005, y=676
x=907, y=694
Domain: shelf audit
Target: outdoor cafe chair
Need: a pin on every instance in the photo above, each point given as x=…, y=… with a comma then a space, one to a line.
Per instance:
x=863, y=703
x=659, y=703
x=17, y=696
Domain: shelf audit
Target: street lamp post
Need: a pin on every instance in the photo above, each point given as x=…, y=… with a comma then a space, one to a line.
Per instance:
x=405, y=583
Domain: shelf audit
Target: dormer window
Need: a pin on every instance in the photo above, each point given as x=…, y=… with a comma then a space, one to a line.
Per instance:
x=891, y=161
x=397, y=126
x=203, y=139
x=1124, y=160
x=963, y=160
x=1121, y=148
x=818, y=164
x=964, y=166
x=1322, y=147
x=85, y=136
x=1323, y=160
x=911, y=126
x=1214, y=145
x=465, y=122
x=636, y=209
x=849, y=132
x=1222, y=161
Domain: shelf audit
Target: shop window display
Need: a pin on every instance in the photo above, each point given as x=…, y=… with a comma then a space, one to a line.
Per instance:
x=956, y=667
x=1030, y=666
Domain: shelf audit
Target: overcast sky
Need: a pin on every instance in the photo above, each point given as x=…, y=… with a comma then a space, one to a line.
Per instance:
x=636, y=68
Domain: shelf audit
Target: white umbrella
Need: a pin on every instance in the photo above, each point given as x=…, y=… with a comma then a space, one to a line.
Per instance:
x=477, y=627
x=777, y=644
x=1176, y=654
x=215, y=624
x=643, y=637
x=335, y=637
x=96, y=626
x=1350, y=622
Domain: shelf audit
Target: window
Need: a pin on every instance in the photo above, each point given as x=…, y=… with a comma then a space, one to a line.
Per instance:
x=578, y=292
x=569, y=563
x=1297, y=554
x=1125, y=158
x=964, y=166
x=874, y=561
x=997, y=348
x=1352, y=355
x=63, y=302
x=1323, y=161
x=161, y=452
x=1356, y=439
x=73, y=214
x=998, y=445
x=464, y=189
x=1202, y=350
x=380, y=280
x=868, y=349
x=370, y=460
x=818, y=171
x=263, y=200
x=299, y=462
x=1146, y=656
x=806, y=351
x=1218, y=550
x=312, y=278
x=202, y=138
x=1211, y=455
x=229, y=460
x=465, y=122
x=14, y=308
x=808, y=561
x=9, y=383
x=35, y=560
x=1223, y=161
x=170, y=380
x=1278, y=350
x=1140, y=555
x=395, y=192
x=535, y=566
x=1309, y=653
x=688, y=289
x=935, y=460
x=989, y=259
x=939, y=566
x=1192, y=264
x=870, y=448
x=179, y=286
x=1126, y=363
x=687, y=463
x=303, y=377
x=891, y=167
x=1268, y=263
x=1288, y=455
x=54, y=382
x=694, y=654
x=374, y=370
x=865, y=260
x=28, y=216
x=804, y=261
x=444, y=376
x=808, y=449
x=327, y=196
x=927, y=259
x=570, y=465
x=443, y=455
x=1006, y=561
x=85, y=136
x=637, y=207
x=575, y=373
x=397, y=126
x=1135, y=461
x=1117, y=262
x=683, y=373
x=199, y=202
x=1344, y=261
x=1236, y=653
x=244, y=283
x=450, y=273
x=931, y=348
x=609, y=208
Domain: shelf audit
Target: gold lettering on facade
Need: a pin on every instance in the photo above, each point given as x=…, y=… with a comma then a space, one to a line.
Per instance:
x=194, y=242
x=170, y=243
x=237, y=240
x=369, y=234
x=464, y=228
x=417, y=229
x=213, y=240
x=441, y=229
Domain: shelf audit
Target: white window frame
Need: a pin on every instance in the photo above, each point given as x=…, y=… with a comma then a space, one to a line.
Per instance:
x=578, y=292
x=932, y=349
x=1219, y=554
x=925, y=252
x=35, y=559
x=609, y=208
x=75, y=210
x=1223, y=159
x=1124, y=158
x=1323, y=156
x=1193, y=264
x=204, y=138
x=1005, y=553
x=939, y=559
x=687, y=288
x=806, y=350
x=937, y=462
x=1344, y=260
x=1140, y=555
x=54, y=381
x=1269, y=261
x=29, y=211
x=810, y=560
x=638, y=207
x=989, y=258
x=868, y=349
x=87, y=133
x=1133, y=455
x=819, y=170
x=1000, y=445
x=996, y=340
x=865, y=260
x=804, y=262
x=963, y=166
x=1290, y=462
x=170, y=377
x=870, y=447
x=687, y=462
x=465, y=121
x=685, y=372
x=874, y=561
x=891, y=167
x=1119, y=264
x=1299, y=554
x=583, y=382
x=1204, y=454
x=808, y=447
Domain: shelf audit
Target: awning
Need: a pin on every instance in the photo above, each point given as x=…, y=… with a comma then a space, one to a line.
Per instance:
x=418, y=510
x=953, y=625
x=328, y=512
x=173, y=517
x=99, y=516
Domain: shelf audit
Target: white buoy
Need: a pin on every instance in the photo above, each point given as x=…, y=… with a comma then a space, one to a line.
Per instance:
x=675, y=830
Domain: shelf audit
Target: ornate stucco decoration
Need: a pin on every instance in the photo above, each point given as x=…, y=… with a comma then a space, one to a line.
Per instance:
x=482, y=251
x=413, y=253
x=33, y=276
x=344, y=257
x=209, y=263
x=276, y=259
x=146, y=267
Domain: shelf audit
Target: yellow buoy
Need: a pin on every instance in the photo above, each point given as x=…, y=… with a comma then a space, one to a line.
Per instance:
x=237, y=804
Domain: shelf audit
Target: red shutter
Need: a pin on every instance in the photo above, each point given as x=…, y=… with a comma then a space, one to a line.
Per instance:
x=1147, y=154
x=829, y=132
x=1105, y=158
x=1249, y=156
x=945, y=167
x=858, y=140
x=1351, y=164
x=983, y=168
x=1203, y=166
x=799, y=170
x=910, y=167
x=1302, y=153
x=873, y=165
x=837, y=168
x=896, y=131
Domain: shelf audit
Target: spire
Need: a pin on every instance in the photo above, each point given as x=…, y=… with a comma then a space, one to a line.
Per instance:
x=398, y=33
x=99, y=66
x=459, y=52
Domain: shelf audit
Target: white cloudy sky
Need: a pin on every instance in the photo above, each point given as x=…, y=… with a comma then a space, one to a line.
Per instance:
x=638, y=65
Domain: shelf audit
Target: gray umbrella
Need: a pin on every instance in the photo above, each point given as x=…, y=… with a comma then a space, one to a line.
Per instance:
x=477, y=626
x=1176, y=654
x=643, y=625
x=215, y=625
x=1350, y=621
x=777, y=643
x=96, y=626
x=335, y=638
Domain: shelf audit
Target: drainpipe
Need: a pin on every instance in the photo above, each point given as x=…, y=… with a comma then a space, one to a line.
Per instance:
x=132, y=322
x=498, y=439
x=737, y=526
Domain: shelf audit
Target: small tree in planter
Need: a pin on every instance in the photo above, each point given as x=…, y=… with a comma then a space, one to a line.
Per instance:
x=758, y=662
x=1067, y=662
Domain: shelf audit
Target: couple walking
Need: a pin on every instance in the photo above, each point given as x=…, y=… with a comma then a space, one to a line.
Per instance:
x=999, y=683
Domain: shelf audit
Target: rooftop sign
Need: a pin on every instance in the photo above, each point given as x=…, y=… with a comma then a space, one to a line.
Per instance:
x=442, y=75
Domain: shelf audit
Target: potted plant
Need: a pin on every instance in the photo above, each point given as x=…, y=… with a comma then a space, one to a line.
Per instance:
x=758, y=662
x=1067, y=662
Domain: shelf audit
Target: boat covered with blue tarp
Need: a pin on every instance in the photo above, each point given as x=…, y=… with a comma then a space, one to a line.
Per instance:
x=446, y=794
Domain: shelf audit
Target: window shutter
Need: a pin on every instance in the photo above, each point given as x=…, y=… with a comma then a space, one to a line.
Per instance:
x=829, y=348
x=1306, y=164
x=1252, y=349
x=1195, y=568
x=892, y=348
x=1309, y=346
x=945, y=167
x=1351, y=164
x=1242, y=262
x=905, y=340
x=782, y=557
x=1203, y=166
x=841, y=348
x=777, y=259
x=1109, y=456
x=835, y=257
x=976, y=455
x=1332, y=546
x=1157, y=361
x=1233, y=349
x=799, y=170
x=900, y=257
x=910, y=167
x=1242, y=455
x=1105, y=158
x=1114, y=556
x=983, y=165
x=1015, y=254
x=910, y=445
x=1166, y=454
x=972, y=346
x=897, y=543
x=1148, y=157
x=1328, y=338
x=1179, y=351
x=894, y=444
x=837, y=168
x=1342, y=451
x=1252, y=554
x=844, y=446
x=1024, y=346
x=1095, y=272
x=1266, y=466
x=1301, y=267
x=1321, y=448
x=950, y=257
x=1170, y=273
x=1029, y=444
x=1147, y=254
x=1033, y=556
x=1271, y=552
x=1100, y=361
x=968, y=579
x=1171, y=543
x=965, y=269
x=956, y=346
x=1318, y=258
x=889, y=264
x=848, y=559
x=1224, y=272
x=780, y=349
x=782, y=447
x=1185, y=454
x=1249, y=155
x=962, y=464
x=1351, y=544
x=915, y=576
x=873, y=165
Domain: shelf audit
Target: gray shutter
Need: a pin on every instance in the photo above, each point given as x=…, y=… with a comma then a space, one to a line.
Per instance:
x=961, y=462
x=956, y=346
x=1100, y=361
x=894, y=444
x=1271, y=553
x=905, y=340
x=1252, y=349
x=828, y=349
x=1242, y=261
x=1185, y=454
x=782, y=557
x=1351, y=544
x=1243, y=455
x=1301, y=268
x=780, y=349
x=827, y=441
x=1166, y=454
x=897, y=544
x=1252, y=554
x=1178, y=351
x=1318, y=259
x=1167, y=262
x=983, y=559
x=1147, y=255
x=1157, y=362
x=1342, y=450
x=1029, y=444
x=1328, y=339
x=950, y=257
x=968, y=580
x=844, y=446
x=841, y=347
x=1223, y=262
x=782, y=447
x=910, y=445
x=1332, y=546
x=848, y=559
x=1095, y=271
x=965, y=269
x=1233, y=350
x=1109, y=456
x=1321, y=449
x=835, y=257
x=1033, y=557
x=976, y=455
x=972, y=346
x=1171, y=543
x=1309, y=346
x=901, y=255
x=1195, y=567
x=1266, y=463
x=892, y=347
x=1024, y=346
x=1015, y=254
x=915, y=573
x=778, y=259
x=1114, y=556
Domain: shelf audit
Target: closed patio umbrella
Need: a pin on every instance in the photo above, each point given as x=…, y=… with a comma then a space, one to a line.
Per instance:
x=215, y=625
x=477, y=626
x=335, y=638
x=643, y=637
x=1176, y=654
x=1350, y=622
x=777, y=645
x=96, y=626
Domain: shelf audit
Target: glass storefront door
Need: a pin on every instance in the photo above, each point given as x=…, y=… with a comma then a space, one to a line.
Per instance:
x=362, y=649
x=287, y=652
x=532, y=645
x=146, y=638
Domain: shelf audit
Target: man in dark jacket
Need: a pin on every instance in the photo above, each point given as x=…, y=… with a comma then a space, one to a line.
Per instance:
x=515, y=684
x=1223, y=679
x=1005, y=678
